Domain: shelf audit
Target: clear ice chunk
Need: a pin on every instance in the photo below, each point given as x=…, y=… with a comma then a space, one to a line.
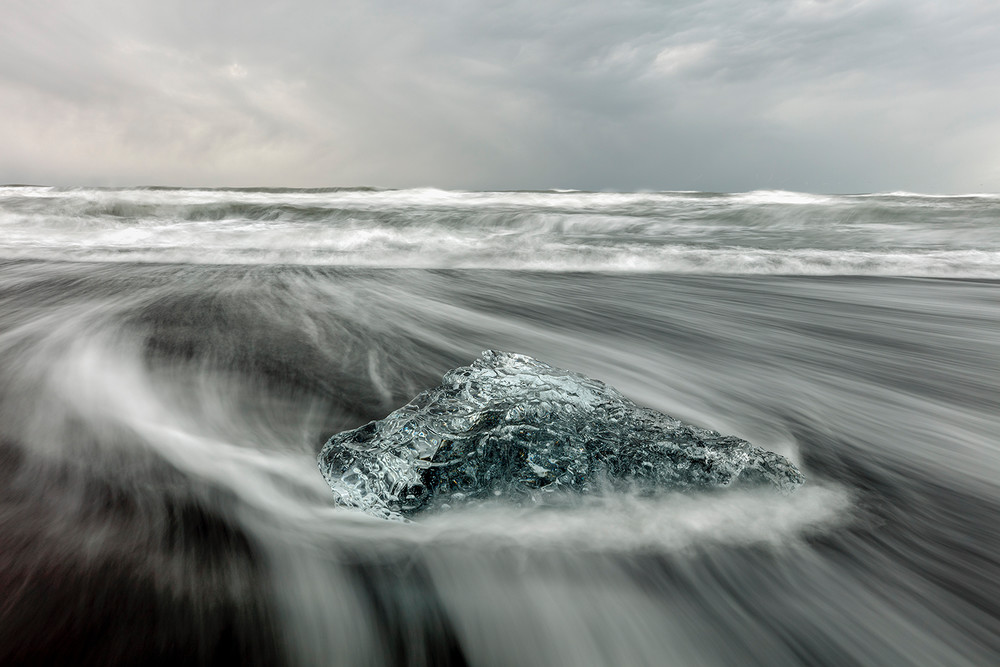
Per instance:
x=514, y=428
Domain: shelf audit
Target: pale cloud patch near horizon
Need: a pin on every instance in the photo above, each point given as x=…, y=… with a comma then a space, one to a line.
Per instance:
x=816, y=95
x=674, y=59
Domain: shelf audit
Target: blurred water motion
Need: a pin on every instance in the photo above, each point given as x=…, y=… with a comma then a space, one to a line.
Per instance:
x=160, y=501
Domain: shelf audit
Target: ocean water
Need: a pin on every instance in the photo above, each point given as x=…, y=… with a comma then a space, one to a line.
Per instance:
x=172, y=360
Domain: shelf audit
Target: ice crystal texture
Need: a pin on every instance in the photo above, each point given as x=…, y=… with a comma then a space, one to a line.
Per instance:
x=513, y=428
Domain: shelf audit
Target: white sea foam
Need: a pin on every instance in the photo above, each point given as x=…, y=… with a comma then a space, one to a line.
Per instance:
x=626, y=523
x=760, y=232
x=923, y=195
x=373, y=249
x=781, y=197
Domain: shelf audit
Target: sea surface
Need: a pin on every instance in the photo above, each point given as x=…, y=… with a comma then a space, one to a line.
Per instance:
x=171, y=361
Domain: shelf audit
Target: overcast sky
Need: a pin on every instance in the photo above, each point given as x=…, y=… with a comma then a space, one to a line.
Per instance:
x=726, y=95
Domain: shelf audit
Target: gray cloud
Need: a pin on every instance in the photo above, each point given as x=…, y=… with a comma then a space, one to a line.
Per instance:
x=820, y=95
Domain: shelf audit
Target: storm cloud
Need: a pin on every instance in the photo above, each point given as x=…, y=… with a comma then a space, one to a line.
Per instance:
x=812, y=95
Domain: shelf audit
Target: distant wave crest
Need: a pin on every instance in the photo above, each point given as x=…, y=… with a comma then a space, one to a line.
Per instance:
x=760, y=232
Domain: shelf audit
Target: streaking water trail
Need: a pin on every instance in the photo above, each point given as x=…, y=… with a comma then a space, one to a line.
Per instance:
x=159, y=424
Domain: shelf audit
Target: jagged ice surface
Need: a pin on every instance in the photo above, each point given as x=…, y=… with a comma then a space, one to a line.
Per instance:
x=512, y=427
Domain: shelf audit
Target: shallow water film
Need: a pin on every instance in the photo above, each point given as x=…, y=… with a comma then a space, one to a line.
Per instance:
x=161, y=415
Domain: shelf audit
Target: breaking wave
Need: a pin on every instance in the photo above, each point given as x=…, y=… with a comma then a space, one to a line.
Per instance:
x=762, y=232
